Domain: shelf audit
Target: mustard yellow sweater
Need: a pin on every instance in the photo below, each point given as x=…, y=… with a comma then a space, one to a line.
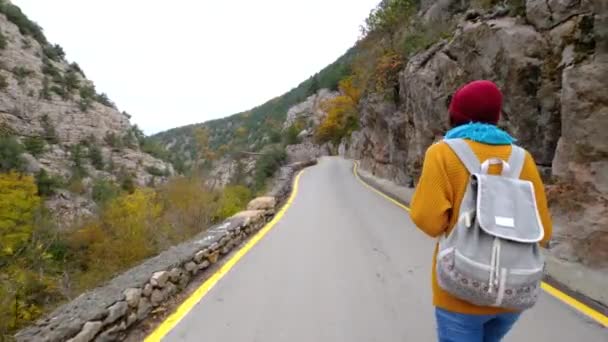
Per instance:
x=436, y=203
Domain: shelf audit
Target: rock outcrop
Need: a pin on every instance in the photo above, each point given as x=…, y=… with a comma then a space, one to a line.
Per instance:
x=551, y=62
x=310, y=111
x=228, y=170
x=308, y=115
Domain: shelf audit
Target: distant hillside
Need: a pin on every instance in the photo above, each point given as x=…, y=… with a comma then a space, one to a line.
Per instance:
x=254, y=129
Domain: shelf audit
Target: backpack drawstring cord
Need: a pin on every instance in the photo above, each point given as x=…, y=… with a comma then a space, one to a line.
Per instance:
x=494, y=265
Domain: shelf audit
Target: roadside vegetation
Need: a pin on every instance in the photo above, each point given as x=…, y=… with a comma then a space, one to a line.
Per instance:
x=44, y=263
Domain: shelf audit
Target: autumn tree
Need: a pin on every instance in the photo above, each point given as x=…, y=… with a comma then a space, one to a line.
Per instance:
x=18, y=200
x=188, y=206
x=25, y=286
x=342, y=115
x=127, y=231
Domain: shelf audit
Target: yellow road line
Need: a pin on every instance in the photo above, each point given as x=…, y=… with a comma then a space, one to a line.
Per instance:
x=166, y=326
x=575, y=304
x=582, y=308
x=378, y=191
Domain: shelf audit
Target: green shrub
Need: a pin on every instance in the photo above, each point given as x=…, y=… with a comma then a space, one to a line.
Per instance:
x=49, y=69
x=71, y=81
x=274, y=136
x=291, y=135
x=47, y=185
x=129, y=140
x=49, y=130
x=21, y=74
x=34, y=145
x=76, y=68
x=87, y=96
x=105, y=191
x=59, y=91
x=96, y=157
x=26, y=26
x=388, y=15
x=77, y=158
x=3, y=42
x=113, y=140
x=105, y=100
x=54, y=52
x=87, y=92
x=127, y=183
x=234, y=198
x=267, y=165
x=153, y=148
x=10, y=154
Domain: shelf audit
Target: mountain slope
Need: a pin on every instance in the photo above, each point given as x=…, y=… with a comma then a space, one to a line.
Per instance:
x=252, y=130
x=71, y=132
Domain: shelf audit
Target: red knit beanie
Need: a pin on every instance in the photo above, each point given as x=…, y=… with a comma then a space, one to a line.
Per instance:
x=478, y=101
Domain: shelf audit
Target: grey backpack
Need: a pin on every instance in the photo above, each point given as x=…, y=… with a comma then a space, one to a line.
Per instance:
x=492, y=256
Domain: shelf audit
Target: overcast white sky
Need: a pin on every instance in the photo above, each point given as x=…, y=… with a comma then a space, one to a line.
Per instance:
x=172, y=63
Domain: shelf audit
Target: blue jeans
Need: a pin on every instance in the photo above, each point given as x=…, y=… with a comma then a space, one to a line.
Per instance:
x=456, y=327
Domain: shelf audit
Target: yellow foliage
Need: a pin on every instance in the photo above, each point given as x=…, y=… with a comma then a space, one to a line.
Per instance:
x=124, y=234
x=188, y=207
x=18, y=203
x=348, y=88
x=24, y=285
x=342, y=115
x=36, y=267
x=387, y=70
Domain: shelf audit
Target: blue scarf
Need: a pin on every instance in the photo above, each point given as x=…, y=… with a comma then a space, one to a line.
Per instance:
x=481, y=132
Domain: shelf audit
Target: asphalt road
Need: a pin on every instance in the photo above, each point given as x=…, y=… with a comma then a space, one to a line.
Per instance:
x=345, y=264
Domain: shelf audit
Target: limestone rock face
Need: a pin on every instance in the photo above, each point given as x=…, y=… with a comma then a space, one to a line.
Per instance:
x=46, y=98
x=310, y=110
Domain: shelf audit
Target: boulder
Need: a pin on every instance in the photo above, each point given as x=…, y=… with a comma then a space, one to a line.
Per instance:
x=262, y=203
x=132, y=296
x=88, y=332
x=159, y=279
x=251, y=217
x=116, y=312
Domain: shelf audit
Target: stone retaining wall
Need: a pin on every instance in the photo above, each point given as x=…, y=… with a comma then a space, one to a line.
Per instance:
x=105, y=314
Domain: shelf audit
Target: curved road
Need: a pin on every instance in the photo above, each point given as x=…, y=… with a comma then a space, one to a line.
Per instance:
x=344, y=264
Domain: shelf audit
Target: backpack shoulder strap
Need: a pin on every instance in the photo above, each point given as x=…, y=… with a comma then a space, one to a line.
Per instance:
x=465, y=154
x=516, y=161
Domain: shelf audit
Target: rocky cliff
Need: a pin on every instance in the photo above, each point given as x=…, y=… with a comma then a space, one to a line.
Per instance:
x=550, y=57
x=306, y=116
x=48, y=105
